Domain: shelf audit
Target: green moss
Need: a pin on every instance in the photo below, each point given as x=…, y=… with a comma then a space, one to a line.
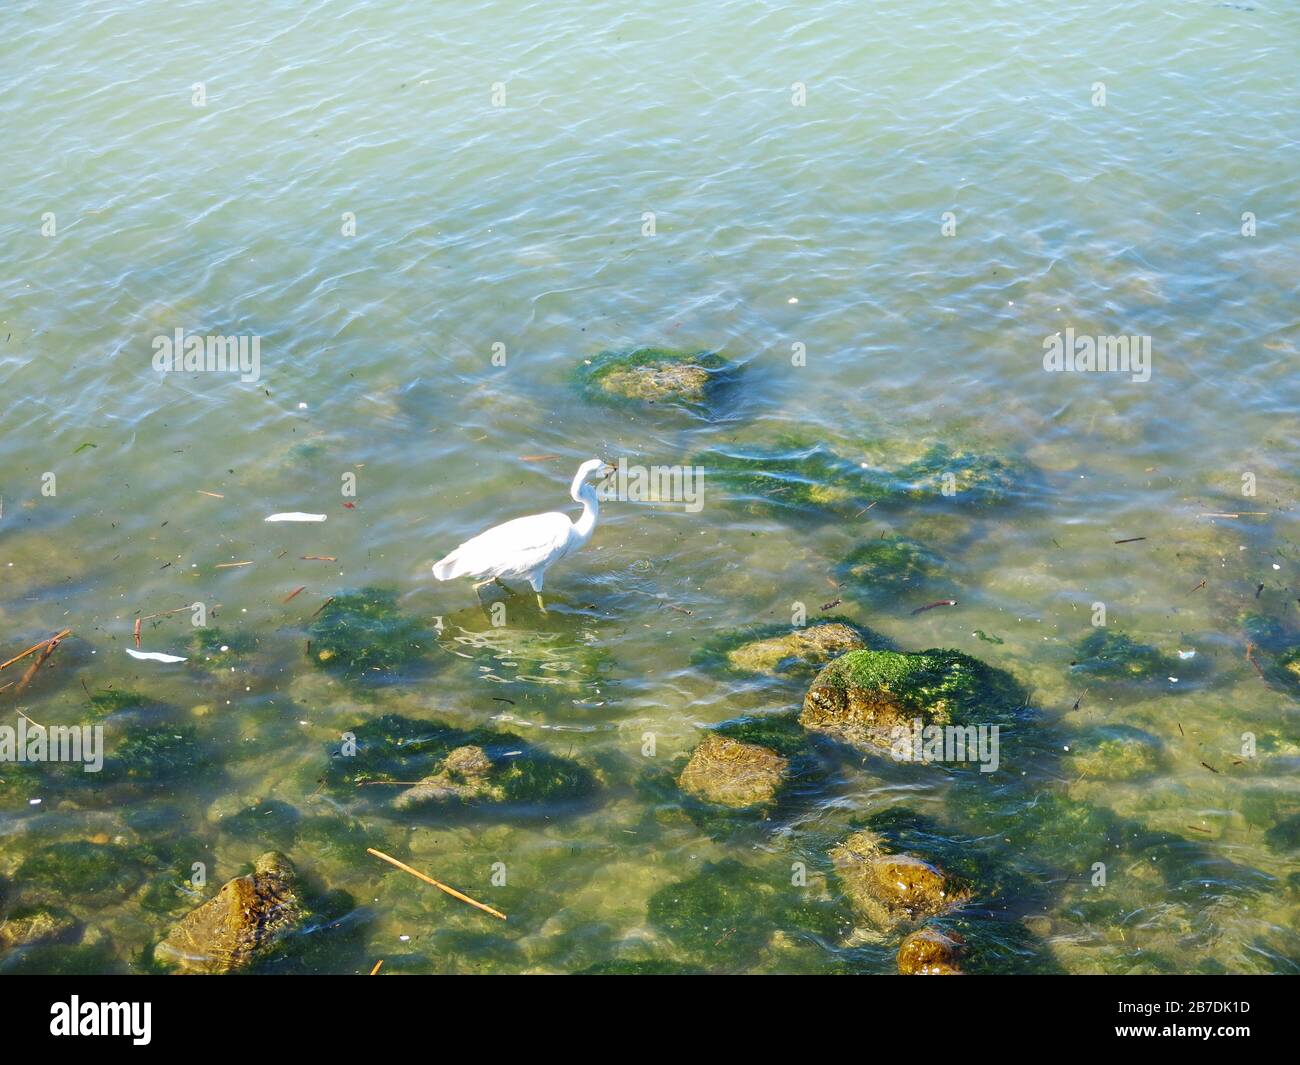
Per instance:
x=938, y=684
x=108, y=701
x=327, y=837
x=1115, y=752
x=363, y=636
x=962, y=476
x=888, y=564
x=692, y=379
x=396, y=748
x=157, y=756
x=59, y=959
x=81, y=870
x=1116, y=656
x=794, y=475
x=215, y=648
x=778, y=732
x=731, y=910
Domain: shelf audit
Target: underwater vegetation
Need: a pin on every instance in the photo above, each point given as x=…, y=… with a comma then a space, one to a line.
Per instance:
x=690, y=379
x=449, y=766
x=1117, y=657
x=363, y=636
x=729, y=912
x=1276, y=649
x=1115, y=752
x=212, y=647
x=800, y=475
x=888, y=564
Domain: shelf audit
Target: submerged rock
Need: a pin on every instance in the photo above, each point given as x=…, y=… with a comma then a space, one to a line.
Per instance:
x=364, y=636
x=793, y=474
x=863, y=696
x=1116, y=752
x=731, y=773
x=89, y=872
x=961, y=475
x=655, y=375
x=465, y=774
x=887, y=564
x=31, y=925
x=892, y=888
x=1276, y=649
x=452, y=765
x=789, y=651
x=929, y=952
x=248, y=919
x=1116, y=656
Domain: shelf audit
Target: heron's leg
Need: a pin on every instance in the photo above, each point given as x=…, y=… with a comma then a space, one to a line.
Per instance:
x=540, y=605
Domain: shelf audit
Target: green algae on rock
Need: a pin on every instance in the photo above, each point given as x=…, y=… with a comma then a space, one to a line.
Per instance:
x=1116, y=656
x=792, y=475
x=215, y=648
x=1116, y=752
x=27, y=926
x=157, y=756
x=889, y=888
x=93, y=873
x=108, y=701
x=779, y=650
x=930, y=952
x=1276, y=649
x=731, y=773
x=655, y=375
x=862, y=697
x=363, y=636
x=450, y=766
x=962, y=476
x=887, y=564
x=729, y=909
x=247, y=920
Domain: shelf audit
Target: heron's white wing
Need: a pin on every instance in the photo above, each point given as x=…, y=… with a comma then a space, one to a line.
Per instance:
x=514, y=547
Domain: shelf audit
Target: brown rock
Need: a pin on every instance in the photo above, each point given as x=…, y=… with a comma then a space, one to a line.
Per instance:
x=813, y=645
x=929, y=952
x=731, y=773
x=465, y=774
x=891, y=888
x=247, y=919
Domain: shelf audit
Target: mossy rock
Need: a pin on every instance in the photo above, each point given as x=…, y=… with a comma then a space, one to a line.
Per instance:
x=782, y=651
x=793, y=475
x=247, y=921
x=890, y=888
x=94, y=873
x=64, y=959
x=889, y=564
x=108, y=701
x=732, y=910
x=1116, y=752
x=27, y=926
x=864, y=696
x=962, y=476
x=1276, y=648
x=215, y=648
x=1117, y=657
x=656, y=375
x=930, y=952
x=734, y=774
x=363, y=636
x=158, y=756
x=331, y=837
x=396, y=748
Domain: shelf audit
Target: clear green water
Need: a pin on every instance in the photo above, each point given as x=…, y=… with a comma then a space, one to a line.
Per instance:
x=521, y=225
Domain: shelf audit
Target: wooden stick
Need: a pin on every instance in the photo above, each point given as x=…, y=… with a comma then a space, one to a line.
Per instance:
x=322, y=606
x=36, y=647
x=136, y=633
x=375, y=970
x=230, y=565
x=429, y=880
x=293, y=593
x=40, y=661
x=319, y=558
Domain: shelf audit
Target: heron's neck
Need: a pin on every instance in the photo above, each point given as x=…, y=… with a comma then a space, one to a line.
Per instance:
x=586, y=495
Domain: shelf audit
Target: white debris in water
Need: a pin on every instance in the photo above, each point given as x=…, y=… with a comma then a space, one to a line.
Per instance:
x=295, y=515
x=1184, y=655
x=153, y=656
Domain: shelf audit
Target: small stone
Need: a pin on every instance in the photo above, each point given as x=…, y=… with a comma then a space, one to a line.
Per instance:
x=929, y=952
x=730, y=773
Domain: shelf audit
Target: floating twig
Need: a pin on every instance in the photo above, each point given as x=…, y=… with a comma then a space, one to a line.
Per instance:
x=1130, y=540
x=319, y=558
x=375, y=970
x=293, y=593
x=1209, y=767
x=429, y=880
x=36, y=647
x=136, y=633
x=318, y=610
x=1195, y=828
x=214, y=495
x=832, y=604
x=40, y=661
x=931, y=606
x=1198, y=587
x=232, y=565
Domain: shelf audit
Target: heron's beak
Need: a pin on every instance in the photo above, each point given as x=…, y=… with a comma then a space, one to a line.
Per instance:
x=606, y=472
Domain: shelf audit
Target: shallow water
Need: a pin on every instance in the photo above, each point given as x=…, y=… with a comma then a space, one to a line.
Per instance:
x=775, y=225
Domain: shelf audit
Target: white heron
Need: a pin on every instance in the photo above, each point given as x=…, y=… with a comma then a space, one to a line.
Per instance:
x=523, y=549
